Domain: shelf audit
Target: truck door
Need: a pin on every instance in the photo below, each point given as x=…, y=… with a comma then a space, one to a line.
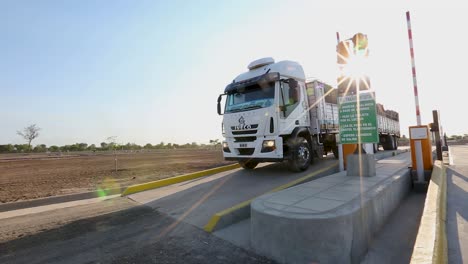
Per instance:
x=292, y=106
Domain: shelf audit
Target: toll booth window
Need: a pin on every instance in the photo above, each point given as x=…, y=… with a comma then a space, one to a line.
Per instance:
x=291, y=98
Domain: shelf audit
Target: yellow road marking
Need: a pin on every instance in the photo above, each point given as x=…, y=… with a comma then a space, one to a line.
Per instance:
x=169, y=181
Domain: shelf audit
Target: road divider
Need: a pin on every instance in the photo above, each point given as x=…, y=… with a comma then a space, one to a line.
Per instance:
x=431, y=241
x=177, y=179
x=241, y=211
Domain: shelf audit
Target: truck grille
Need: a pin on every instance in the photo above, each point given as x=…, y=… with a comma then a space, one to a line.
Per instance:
x=246, y=151
x=244, y=132
x=245, y=139
x=251, y=129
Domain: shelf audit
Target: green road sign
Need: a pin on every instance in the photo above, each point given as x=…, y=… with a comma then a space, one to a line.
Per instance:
x=358, y=126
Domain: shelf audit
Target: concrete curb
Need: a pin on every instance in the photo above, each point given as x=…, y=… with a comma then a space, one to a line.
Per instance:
x=56, y=199
x=431, y=241
x=241, y=211
x=165, y=182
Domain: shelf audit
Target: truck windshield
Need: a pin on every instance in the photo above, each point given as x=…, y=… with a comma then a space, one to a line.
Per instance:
x=251, y=97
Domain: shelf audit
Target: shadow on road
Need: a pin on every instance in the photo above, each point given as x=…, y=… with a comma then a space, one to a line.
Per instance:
x=135, y=235
x=395, y=242
x=457, y=210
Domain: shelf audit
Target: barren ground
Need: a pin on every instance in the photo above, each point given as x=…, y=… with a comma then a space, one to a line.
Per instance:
x=24, y=177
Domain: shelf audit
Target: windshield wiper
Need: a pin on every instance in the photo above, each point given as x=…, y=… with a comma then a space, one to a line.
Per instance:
x=252, y=107
x=245, y=108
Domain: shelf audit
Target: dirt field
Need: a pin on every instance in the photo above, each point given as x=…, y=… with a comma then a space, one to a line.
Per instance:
x=36, y=176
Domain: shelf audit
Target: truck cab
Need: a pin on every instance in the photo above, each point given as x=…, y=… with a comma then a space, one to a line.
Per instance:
x=266, y=117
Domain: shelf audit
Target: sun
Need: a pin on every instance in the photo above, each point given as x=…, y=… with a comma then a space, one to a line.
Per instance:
x=355, y=70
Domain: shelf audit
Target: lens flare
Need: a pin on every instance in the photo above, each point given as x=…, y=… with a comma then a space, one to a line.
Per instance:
x=106, y=188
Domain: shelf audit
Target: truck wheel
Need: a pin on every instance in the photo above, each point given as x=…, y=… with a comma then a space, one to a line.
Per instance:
x=248, y=165
x=335, y=152
x=395, y=142
x=301, y=155
x=389, y=143
x=376, y=147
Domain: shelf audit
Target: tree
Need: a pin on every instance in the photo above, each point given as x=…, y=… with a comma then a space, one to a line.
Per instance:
x=21, y=147
x=65, y=148
x=104, y=146
x=215, y=142
x=82, y=146
x=40, y=148
x=92, y=147
x=54, y=148
x=7, y=148
x=111, y=144
x=29, y=133
x=148, y=146
x=160, y=145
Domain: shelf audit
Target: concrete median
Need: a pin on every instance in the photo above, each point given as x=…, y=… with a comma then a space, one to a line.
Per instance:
x=328, y=220
x=241, y=211
x=431, y=241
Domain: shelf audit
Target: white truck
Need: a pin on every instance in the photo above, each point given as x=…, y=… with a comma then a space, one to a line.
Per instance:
x=271, y=114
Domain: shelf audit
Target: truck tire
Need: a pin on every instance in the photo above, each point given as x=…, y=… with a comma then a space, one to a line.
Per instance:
x=395, y=143
x=248, y=165
x=301, y=155
x=376, y=147
x=389, y=143
x=335, y=152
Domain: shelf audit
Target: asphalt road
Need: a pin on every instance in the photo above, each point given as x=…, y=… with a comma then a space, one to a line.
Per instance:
x=457, y=205
x=196, y=201
x=166, y=229
x=395, y=242
x=163, y=228
x=137, y=234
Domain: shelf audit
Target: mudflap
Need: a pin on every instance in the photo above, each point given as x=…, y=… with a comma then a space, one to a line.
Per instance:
x=317, y=149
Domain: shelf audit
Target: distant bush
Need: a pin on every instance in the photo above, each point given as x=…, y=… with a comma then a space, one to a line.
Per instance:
x=24, y=148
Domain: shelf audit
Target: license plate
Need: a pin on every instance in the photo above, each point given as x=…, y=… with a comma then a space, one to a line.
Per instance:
x=243, y=145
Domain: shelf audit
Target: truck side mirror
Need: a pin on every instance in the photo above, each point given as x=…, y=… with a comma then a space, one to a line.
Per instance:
x=292, y=83
x=219, y=104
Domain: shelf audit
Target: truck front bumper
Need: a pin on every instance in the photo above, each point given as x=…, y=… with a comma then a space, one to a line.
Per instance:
x=253, y=150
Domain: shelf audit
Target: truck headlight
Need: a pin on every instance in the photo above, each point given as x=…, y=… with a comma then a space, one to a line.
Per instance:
x=226, y=147
x=268, y=146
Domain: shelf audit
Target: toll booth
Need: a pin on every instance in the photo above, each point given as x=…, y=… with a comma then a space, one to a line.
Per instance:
x=421, y=152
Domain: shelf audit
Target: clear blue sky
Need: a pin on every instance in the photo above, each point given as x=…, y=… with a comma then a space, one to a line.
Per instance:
x=150, y=71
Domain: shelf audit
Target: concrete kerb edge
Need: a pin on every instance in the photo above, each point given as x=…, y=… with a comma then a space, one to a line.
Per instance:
x=431, y=240
x=241, y=211
x=177, y=179
x=56, y=199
